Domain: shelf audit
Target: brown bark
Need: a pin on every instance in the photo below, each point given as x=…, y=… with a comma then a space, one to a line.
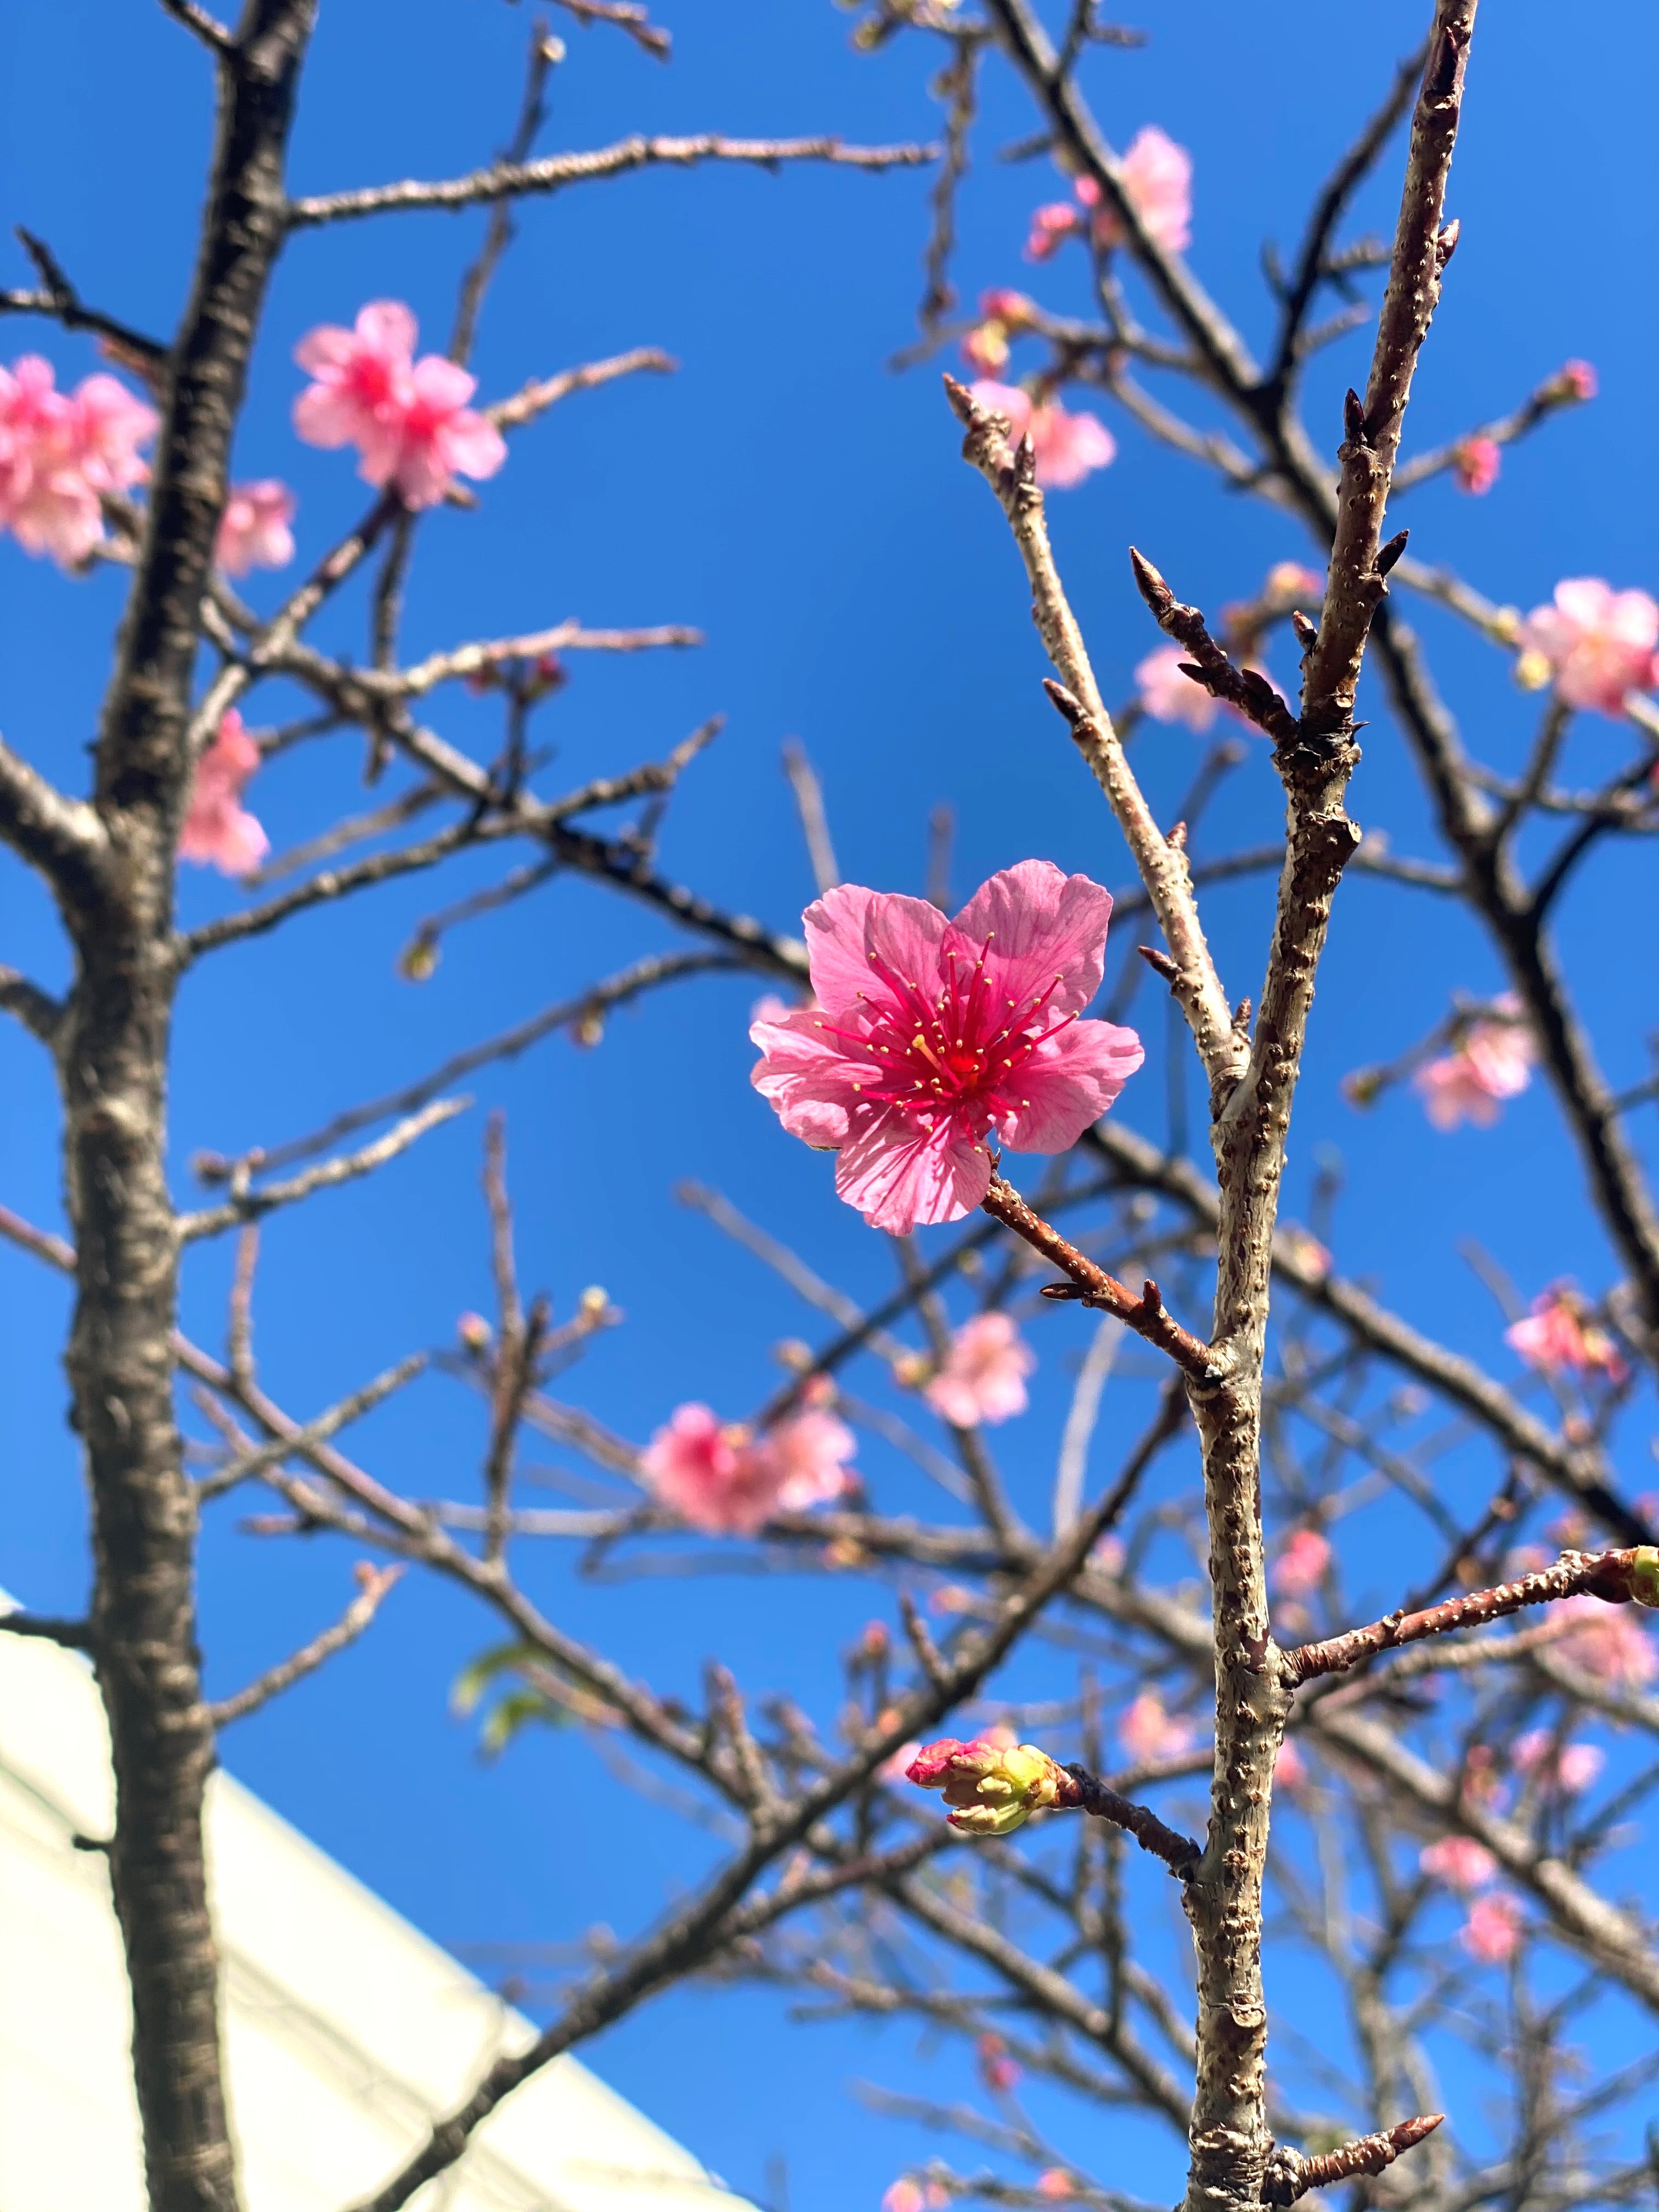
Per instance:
x=112, y=1062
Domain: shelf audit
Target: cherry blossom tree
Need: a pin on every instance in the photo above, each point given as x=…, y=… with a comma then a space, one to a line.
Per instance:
x=1458, y=1765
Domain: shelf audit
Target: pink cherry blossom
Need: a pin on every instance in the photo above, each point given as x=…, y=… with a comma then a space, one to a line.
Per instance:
x=59, y=452
x=1580, y=379
x=218, y=830
x=1493, y=1062
x=1476, y=466
x=408, y=419
x=1157, y=180
x=1149, y=1732
x=930, y=1036
x=1066, y=446
x=1571, y=1769
x=809, y=1455
x=1054, y=2181
x=1168, y=696
x=1560, y=1337
x=253, y=531
x=997, y=2069
x=1460, y=1862
x=898, y=1767
x=1492, y=1931
x=1599, y=642
x=984, y=1377
x=1300, y=1567
x=1607, y=1641
x=1051, y=226
x=724, y=1480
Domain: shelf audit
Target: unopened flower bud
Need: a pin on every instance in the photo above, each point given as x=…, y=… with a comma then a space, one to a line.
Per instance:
x=991, y=1790
x=474, y=1331
x=1532, y=669
x=794, y=1354
x=418, y=961
x=593, y=1302
x=1645, y=1576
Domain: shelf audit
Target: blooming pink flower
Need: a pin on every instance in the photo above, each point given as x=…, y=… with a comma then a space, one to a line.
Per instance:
x=1168, y=696
x=1560, y=1337
x=218, y=830
x=984, y=1377
x=1492, y=1930
x=929, y=1036
x=1149, y=1732
x=1476, y=466
x=907, y=2195
x=1050, y=227
x=408, y=419
x=1054, y=2181
x=59, y=451
x=1571, y=1770
x=1066, y=446
x=728, y=1482
x=1607, y=1641
x=1458, y=1862
x=1158, y=178
x=1599, y=642
x=1300, y=1567
x=808, y=1454
x=1493, y=1062
x=253, y=531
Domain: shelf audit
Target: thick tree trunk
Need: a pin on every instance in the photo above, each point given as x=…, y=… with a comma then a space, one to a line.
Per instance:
x=112, y=1057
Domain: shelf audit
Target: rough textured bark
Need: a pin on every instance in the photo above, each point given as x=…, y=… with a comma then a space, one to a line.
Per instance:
x=112, y=1062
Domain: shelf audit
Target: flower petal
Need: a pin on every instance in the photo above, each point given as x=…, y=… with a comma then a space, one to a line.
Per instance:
x=1067, y=1083
x=850, y=925
x=1041, y=924
x=898, y=1176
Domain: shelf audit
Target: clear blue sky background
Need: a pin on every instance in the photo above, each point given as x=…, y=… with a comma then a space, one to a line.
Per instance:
x=806, y=508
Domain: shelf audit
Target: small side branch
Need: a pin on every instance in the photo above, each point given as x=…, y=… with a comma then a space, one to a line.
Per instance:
x=375, y=1583
x=1240, y=688
x=539, y=396
x=37, y=1010
x=61, y=837
x=1612, y=1576
x=73, y=1635
x=1089, y=1794
x=517, y=180
x=249, y=1206
x=58, y=299
x=1290, y=2175
x=207, y=28
x=1090, y=1285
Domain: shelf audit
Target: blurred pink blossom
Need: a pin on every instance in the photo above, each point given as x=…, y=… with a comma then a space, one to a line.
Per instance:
x=253, y=531
x=896, y=1768
x=1290, y=1768
x=1050, y=227
x=1607, y=1641
x=1571, y=1769
x=929, y=1036
x=1460, y=1862
x=1560, y=1337
x=1003, y=313
x=1599, y=642
x=1492, y=1930
x=1157, y=180
x=408, y=419
x=59, y=452
x=997, y=2069
x=1066, y=447
x=1493, y=1062
x=1476, y=466
x=1580, y=377
x=727, y=1481
x=1054, y=2181
x=218, y=830
x=984, y=1377
x=1149, y=1732
x=1300, y=1567
x=1168, y=696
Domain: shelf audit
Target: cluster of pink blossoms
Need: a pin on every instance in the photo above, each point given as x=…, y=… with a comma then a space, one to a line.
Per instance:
x=1157, y=181
x=1560, y=1336
x=1594, y=644
x=983, y=1379
x=61, y=452
x=1494, y=1062
x=1492, y=1932
x=928, y=1037
x=725, y=1479
x=408, y=419
x=1149, y=1733
x=1607, y=1641
x=1300, y=1567
x=1064, y=448
x=219, y=831
x=255, y=531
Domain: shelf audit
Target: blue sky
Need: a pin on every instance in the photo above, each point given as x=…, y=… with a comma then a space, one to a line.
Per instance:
x=806, y=508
